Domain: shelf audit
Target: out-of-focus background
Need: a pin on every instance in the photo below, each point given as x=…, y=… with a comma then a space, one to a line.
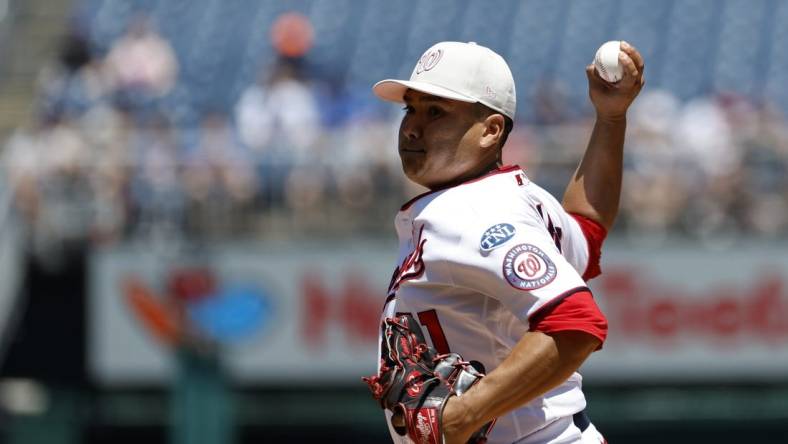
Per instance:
x=197, y=196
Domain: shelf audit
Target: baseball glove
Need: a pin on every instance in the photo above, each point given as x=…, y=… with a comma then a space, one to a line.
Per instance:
x=414, y=382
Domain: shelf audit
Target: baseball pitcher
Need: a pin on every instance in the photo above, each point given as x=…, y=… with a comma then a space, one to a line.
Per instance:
x=488, y=316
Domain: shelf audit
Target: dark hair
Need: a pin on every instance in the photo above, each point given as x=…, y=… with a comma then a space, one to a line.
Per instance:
x=485, y=111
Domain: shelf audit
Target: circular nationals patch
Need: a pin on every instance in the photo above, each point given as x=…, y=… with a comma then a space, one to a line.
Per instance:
x=526, y=267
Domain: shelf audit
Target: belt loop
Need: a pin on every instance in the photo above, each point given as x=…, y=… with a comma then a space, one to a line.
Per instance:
x=581, y=420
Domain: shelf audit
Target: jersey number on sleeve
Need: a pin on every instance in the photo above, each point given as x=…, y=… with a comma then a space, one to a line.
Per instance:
x=429, y=319
x=555, y=231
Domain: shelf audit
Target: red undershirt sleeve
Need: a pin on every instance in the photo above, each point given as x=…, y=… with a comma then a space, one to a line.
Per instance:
x=577, y=312
x=595, y=235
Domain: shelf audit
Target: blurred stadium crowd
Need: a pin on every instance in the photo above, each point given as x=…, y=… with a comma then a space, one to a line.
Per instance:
x=174, y=125
x=132, y=139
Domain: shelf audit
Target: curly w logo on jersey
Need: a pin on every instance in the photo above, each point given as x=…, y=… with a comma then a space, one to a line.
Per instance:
x=526, y=267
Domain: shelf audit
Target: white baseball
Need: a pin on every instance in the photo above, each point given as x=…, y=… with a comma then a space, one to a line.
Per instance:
x=606, y=61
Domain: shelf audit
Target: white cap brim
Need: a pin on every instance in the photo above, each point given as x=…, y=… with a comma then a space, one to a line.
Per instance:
x=394, y=90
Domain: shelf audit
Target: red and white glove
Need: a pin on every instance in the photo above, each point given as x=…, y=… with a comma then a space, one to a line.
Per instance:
x=414, y=382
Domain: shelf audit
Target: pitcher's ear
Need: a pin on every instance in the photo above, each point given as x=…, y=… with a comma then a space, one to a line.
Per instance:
x=494, y=125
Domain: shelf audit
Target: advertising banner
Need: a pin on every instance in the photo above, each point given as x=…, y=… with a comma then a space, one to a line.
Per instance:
x=308, y=312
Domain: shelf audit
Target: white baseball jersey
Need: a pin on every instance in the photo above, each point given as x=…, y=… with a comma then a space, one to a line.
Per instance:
x=476, y=261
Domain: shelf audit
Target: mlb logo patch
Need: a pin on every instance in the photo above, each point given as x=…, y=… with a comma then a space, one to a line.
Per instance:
x=496, y=236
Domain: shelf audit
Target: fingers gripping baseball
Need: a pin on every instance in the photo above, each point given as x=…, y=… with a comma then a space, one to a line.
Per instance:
x=611, y=100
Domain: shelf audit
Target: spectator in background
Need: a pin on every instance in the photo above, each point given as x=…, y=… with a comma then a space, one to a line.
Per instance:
x=279, y=110
x=156, y=189
x=23, y=162
x=110, y=132
x=55, y=194
x=48, y=170
x=141, y=65
x=278, y=119
x=232, y=162
x=705, y=140
x=760, y=132
x=50, y=174
x=656, y=177
x=75, y=82
x=219, y=179
x=366, y=170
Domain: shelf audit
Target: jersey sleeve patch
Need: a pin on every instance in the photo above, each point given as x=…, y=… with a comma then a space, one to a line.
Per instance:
x=526, y=267
x=496, y=236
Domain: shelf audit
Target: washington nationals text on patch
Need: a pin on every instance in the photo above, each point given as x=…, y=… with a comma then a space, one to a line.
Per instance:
x=475, y=262
x=527, y=267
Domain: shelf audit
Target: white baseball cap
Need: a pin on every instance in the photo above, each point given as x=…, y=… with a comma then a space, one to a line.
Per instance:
x=460, y=71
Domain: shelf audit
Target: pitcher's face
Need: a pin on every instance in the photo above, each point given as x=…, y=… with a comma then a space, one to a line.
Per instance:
x=439, y=140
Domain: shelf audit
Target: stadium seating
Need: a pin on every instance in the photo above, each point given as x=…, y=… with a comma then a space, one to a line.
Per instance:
x=221, y=45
